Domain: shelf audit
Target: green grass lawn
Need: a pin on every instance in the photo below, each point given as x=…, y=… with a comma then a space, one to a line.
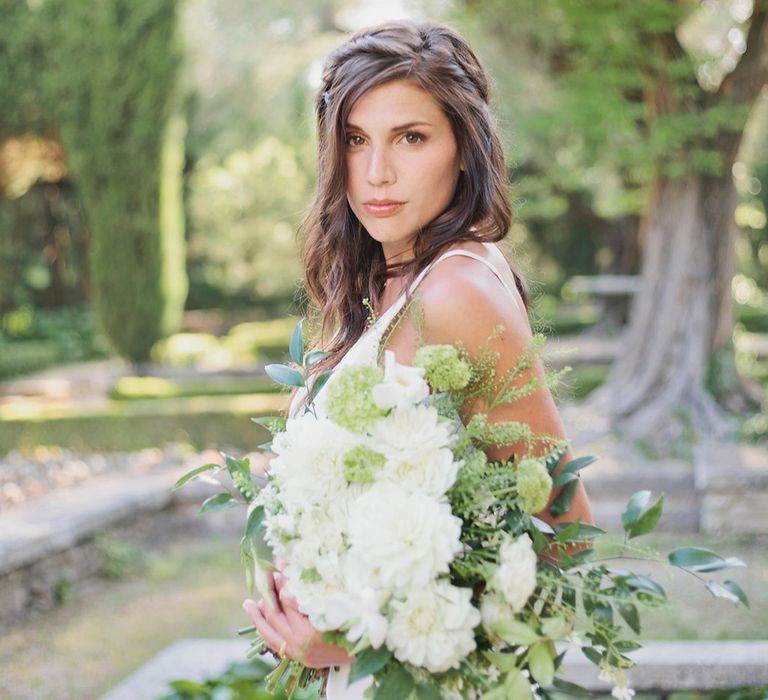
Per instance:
x=79, y=651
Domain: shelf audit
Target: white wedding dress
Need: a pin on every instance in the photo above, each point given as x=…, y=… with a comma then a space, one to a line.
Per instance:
x=365, y=352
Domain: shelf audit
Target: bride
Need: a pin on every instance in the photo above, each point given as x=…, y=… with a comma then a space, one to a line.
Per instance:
x=411, y=193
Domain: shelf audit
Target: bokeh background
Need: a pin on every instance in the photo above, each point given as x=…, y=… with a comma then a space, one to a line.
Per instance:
x=156, y=157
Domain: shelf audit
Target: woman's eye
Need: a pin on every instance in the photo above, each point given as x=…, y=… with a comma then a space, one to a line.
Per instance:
x=413, y=137
x=354, y=140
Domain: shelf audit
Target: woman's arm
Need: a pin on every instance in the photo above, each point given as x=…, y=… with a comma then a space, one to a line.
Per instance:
x=462, y=300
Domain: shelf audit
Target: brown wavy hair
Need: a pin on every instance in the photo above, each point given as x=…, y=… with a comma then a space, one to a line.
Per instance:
x=343, y=264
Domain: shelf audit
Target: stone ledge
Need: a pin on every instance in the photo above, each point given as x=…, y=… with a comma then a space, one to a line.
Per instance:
x=193, y=659
x=62, y=519
x=662, y=666
x=685, y=665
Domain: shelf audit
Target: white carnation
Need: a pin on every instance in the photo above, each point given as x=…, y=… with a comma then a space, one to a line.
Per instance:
x=403, y=385
x=515, y=577
x=406, y=539
x=433, y=627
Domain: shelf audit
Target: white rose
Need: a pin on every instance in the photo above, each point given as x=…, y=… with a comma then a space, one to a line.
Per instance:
x=433, y=627
x=494, y=608
x=403, y=385
x=515, y=577
x=406, y=539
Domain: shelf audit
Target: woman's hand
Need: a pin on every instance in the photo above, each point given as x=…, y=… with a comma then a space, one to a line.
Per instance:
x=287, y=631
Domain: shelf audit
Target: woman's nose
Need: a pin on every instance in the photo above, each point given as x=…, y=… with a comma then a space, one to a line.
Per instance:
x=380, y=168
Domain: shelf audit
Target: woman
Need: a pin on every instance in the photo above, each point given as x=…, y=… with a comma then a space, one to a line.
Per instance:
x=412, y=193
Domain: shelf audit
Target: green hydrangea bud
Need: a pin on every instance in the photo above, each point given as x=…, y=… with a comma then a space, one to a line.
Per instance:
x=534, y=485
x=360, y=463
x=350, y=401
x=445, y=369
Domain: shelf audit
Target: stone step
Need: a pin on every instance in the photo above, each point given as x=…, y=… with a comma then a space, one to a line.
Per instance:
x=54, y=536
x=662, y=667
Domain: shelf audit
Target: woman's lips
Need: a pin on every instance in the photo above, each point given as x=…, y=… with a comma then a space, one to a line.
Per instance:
x=380, y=209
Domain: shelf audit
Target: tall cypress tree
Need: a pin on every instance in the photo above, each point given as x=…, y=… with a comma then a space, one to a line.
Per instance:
x=114, y=68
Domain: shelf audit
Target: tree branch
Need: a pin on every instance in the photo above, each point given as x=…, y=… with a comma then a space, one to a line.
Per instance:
x=744, y=83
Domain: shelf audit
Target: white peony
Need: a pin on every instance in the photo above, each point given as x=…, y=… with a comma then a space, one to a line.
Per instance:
x=403, y=385
x=515, y=578
x=406, y=539
x=433, y=627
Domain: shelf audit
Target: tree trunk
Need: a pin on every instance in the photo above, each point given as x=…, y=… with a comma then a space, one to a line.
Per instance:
x=655, y=389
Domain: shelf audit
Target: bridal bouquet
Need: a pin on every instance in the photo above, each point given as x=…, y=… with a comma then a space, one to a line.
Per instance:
x=407, y=546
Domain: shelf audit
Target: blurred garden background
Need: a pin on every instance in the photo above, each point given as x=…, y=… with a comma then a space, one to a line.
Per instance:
x=156, y=157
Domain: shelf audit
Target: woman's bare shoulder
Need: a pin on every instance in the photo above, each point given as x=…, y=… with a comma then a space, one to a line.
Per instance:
x=462, y=299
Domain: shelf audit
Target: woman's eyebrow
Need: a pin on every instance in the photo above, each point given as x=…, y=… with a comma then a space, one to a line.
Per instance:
x=402, y=127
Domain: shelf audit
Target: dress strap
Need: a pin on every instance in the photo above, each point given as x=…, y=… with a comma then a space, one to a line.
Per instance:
x=469, y=254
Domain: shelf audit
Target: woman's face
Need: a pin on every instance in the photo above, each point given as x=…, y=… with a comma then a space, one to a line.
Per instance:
x=402, y=164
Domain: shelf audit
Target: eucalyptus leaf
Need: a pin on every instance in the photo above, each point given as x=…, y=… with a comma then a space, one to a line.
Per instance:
x=396, y=684
x=255, y=522
x=282, y=374
x=579, y=463
x=562, y=504
x=192, y=474
x=369, y=662
x=275, y=424
x=577, y=531
x=647, y=521
x=737, y=590
x=542, y=526
x=592, y=654
x=701, y=559
x=315, y=356
x=629, y=613
x=720, y=591
x=220, y=501
x=635, y=506
x=296, y=346
x=563, y=478
x=319, y=383
x=641, y=582
x=425, y=691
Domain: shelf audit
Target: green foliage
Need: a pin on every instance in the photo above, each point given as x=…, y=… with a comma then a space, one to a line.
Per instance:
x=119, y=559
x=33, y=339
x=244, y=212
x=105, y=82
x=240, y=681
